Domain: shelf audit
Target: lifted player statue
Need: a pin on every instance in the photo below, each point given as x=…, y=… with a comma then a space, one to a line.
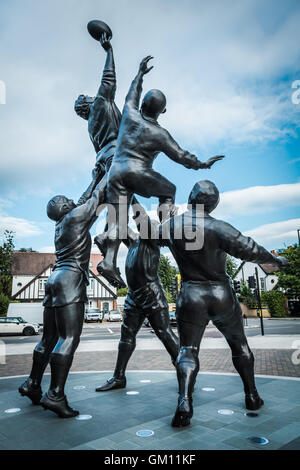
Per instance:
x=206, y=294
x=65, y=296
x=104, y=119
x=145, y=298
x=140, y=140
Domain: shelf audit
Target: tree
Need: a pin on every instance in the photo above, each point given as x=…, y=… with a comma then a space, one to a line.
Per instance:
x=166, y=273
x=4, y=302
x=6, y=256
x=27, y=250
x=122, y=292
x=231, y=266
x=289, y=279
x=6, y=253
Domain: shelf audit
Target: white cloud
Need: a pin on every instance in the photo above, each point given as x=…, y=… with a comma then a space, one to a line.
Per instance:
x=219, y=76
x=21, y=227
x=47, y=249
x=278, y=233
x=257, y=199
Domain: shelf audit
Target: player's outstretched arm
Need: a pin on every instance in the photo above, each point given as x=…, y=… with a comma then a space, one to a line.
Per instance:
x=208, y=164
x=238, y=245
x=108, y=84
x=97, y=174
x=134, y=94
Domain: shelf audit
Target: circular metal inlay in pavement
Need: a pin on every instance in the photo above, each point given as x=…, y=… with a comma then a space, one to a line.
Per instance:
x=12, y=410
x=132, y=393
x=258, y=440
x=83, y=417
x=79, y=387
x=146, y=381
x=225, y=412
x=145, y=433
x=251, y=414
x=208, y=389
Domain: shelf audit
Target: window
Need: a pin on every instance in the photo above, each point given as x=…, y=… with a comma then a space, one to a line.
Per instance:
x=42, y=283
x=262, y=283
x=19, y=284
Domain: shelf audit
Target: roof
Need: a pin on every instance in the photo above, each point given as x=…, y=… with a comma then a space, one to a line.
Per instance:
x=31, y=263
x=267, y=268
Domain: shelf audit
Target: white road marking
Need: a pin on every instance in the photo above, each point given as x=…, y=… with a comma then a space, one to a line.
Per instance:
x=111, y=331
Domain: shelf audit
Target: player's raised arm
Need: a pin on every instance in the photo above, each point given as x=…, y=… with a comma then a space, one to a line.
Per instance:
x=108, y=84
x=87, y=212
x=185, y=158
x=134, y=94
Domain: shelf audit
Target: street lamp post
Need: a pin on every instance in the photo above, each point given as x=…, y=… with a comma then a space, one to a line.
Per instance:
x=259, y=303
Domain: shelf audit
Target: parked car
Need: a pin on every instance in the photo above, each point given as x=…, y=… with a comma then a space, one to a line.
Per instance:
x=114, y=315
x=19, y=326
x=93, y=314
x=173, y=320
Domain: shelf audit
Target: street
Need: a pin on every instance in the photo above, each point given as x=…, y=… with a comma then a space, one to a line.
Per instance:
x=111, y=331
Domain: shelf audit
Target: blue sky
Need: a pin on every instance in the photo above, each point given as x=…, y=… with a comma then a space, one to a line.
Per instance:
x=226, y=67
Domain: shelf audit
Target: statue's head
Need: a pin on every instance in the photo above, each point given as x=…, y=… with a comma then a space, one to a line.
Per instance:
x=59, y=206
x=205, y=192
x=82, y=106
x=154, y=104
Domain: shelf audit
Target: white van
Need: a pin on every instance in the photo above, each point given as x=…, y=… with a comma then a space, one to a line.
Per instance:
x=17, y=325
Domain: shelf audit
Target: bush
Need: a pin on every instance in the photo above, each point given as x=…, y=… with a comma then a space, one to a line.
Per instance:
x=275, y=300
x=4, y=303
x=246, y=296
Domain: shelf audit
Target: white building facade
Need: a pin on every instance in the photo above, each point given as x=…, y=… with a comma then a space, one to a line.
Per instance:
x=31, y=271
x=267, y=280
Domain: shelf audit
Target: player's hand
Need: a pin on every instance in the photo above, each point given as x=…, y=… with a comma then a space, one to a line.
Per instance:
x=105, y=42
x=144, y=65
x=283, y=262
x=213, y=160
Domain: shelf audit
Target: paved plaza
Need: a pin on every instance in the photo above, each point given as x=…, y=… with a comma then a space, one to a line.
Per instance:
x=116, y=417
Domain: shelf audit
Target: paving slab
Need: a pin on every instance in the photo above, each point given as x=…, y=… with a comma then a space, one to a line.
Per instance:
x=116, y=417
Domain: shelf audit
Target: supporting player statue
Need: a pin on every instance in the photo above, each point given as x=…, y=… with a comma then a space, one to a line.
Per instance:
x=146, y=298
x=206, y=294
x=65, y=296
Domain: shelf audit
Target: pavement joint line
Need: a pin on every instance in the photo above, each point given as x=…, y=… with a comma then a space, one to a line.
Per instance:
x=279, y=377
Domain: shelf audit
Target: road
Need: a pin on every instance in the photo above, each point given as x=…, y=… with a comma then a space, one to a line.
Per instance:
x=111, y=331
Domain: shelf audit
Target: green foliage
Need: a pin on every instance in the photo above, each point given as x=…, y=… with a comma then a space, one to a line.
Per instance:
x=166, y=272
x=246, y=296
x=231, y=266
x=6, y=253
x=275, y=300
x=4, y=303
x=289, y=279
x=5, y=284
x=169, y=297
x=122, y=292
